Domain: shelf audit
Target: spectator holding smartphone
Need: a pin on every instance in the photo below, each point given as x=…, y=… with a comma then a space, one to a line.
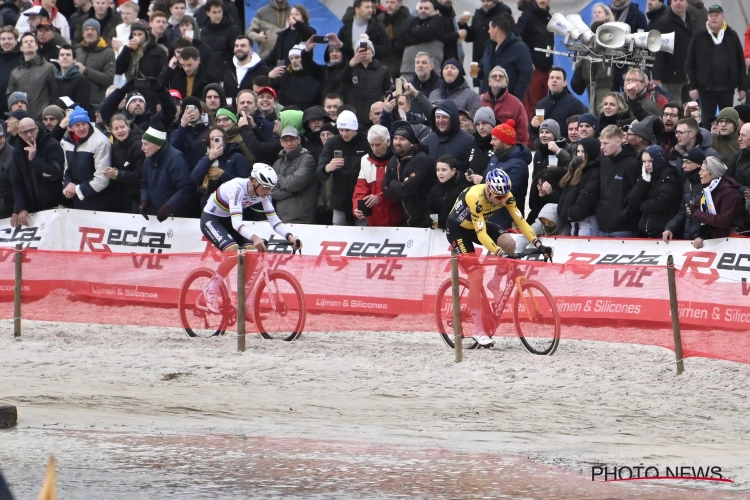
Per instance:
x=221, y=163
x=371, y=208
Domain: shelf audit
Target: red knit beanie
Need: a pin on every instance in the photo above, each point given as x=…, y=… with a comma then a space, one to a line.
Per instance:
x=505, y=132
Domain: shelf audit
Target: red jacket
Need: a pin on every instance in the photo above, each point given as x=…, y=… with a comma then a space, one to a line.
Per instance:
x=509, y=107
x=370, y=181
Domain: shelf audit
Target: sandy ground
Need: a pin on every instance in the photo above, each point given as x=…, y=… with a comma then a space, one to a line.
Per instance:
x=592, y=402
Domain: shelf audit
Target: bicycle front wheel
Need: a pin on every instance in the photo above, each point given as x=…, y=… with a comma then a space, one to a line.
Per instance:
x=279, y=309
x=537, y=319
x=444, y=313
x=196, y=319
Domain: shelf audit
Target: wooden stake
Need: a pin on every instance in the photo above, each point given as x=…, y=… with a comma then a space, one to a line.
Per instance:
x=458, y=338
x=675, y=315
x=241, y=300
x=17, y=291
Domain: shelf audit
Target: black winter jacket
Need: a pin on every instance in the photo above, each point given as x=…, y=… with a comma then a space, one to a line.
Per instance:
x=8, y=62
x=576, y=202
x=150, y=64
x=6, y=181
x=128, y=159
x=165, y=116
x=450, y=35
x=481, y=154
x=285, y=40
x=541, y=164
x=177, y=79
x=681, y=225
x=376, y=32
x=396, y=23
x=299, y=88
x=76, y=86
x=635, y=18
x=739, y=170
x=363, y=86
x=617, y=176
x=232, y=86
x=706, y=61
x=408, y=179
x=514, y=57
x=192, y=141
x=478, y=32
x=670, y=68
x=658, y=201
x=220, y=38
x=443, y=196
x=345, y=178
x=455, y=142
x=166, y=180
x=532, y=27
x=37, y=184
x=559, y=107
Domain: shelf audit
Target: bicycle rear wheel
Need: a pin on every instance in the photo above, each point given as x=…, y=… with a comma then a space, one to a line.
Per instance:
x=537, y=319
x=196, y=319
x=444, y=313
x=279, y=309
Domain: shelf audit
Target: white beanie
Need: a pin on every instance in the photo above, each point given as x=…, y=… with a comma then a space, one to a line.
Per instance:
x=296, y=50
x=347, y=120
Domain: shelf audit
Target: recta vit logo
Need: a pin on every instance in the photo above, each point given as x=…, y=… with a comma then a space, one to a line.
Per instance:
x=93, y=238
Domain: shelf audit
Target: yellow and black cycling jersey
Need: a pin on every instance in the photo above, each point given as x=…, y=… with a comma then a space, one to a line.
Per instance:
x=472, y=209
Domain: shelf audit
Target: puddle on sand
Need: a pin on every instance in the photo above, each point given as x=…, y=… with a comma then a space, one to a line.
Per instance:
x=218, y=466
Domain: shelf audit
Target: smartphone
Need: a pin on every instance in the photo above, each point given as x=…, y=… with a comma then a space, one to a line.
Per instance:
x=217, y=141
x=338, y=154
x=281, y=62
x=191, y=107
x=362, y=206
x=320, y=39
x=142, y=83
x=362, y=45
x=399, y=86
x=469, y=171
x=190, y=33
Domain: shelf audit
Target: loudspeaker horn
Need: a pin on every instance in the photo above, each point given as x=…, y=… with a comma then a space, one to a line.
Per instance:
x=561, y=26
x=650, y=40
x=581, y=26
x=667, y=43
x=612, y=35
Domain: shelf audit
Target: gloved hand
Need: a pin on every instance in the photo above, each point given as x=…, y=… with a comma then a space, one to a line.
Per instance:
x=143, y=209
x=164, y=212
x=129, y=86
x=646, y=176
x=546, y=251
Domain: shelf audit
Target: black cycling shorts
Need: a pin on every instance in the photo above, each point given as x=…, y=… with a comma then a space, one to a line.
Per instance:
x=220, y=232
x=463, y=239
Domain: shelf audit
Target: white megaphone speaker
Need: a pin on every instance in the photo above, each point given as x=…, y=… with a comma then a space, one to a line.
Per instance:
x=667, y=43
x=650, y=40
x=561, y=26
x=612, y=35
x=581, y=26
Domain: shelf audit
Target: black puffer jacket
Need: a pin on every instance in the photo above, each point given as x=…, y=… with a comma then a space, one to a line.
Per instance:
x=150, y=64
x=128, y=159
x=682, y=226
x=658, y=200
x=443, y=196
x=8, y=62
x=408, y=179
x=220, y=38
x=364, y=86
x=37, y=184
x=345, y=178
x=576, y=202
x=481, y=153
x=478, y=31
x=532, y=27
x=617, y=176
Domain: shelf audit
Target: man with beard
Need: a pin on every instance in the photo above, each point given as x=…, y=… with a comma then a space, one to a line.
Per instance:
x=514, y=159
x=505, y=105
x=672, y=114
x=477, y=33
x=186, y=74
x=423, y=35
x=482, y=150
x=135, y=105
x=395, y=18
x=425, y=78
x=95, y=60
x=312, y=121
x=37, y=172
x=246, y=65
x=408, y=177
x=297, y=86
x=107, y=18
x=34, y=76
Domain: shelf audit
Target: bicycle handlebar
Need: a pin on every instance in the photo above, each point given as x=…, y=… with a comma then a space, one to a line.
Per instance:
x=286, y=243
x=526, y=253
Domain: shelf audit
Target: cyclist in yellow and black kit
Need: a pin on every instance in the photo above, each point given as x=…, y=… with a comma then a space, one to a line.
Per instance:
x=467, y=224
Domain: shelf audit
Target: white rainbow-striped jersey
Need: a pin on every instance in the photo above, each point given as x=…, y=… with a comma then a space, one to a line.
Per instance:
x=229, y=200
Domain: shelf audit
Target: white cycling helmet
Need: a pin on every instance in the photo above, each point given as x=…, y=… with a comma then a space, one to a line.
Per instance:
x=498, y=182
x=265, y=174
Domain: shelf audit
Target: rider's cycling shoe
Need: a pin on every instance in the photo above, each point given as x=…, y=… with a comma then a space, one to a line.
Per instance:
x=484, y=340
x=213, y=301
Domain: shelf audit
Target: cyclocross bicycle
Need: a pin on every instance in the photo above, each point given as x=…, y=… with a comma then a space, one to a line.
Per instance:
x=274, y=301
x=535, y=315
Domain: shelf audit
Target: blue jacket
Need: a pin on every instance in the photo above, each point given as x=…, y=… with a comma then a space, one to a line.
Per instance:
x=515, y=162
x=514, y=57
x=231, y=162
x=191, y=141
x=456, y=142
x=166, y=179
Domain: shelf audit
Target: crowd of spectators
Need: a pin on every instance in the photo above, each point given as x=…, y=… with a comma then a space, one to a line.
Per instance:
x=107, y=111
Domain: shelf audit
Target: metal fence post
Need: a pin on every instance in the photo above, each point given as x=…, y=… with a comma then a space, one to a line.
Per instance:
x=241, y=300
x=17, y=291
x=458, y=338
x=675, y=315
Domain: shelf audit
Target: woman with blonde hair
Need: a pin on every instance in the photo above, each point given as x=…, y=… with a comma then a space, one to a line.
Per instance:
x=614, y=111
